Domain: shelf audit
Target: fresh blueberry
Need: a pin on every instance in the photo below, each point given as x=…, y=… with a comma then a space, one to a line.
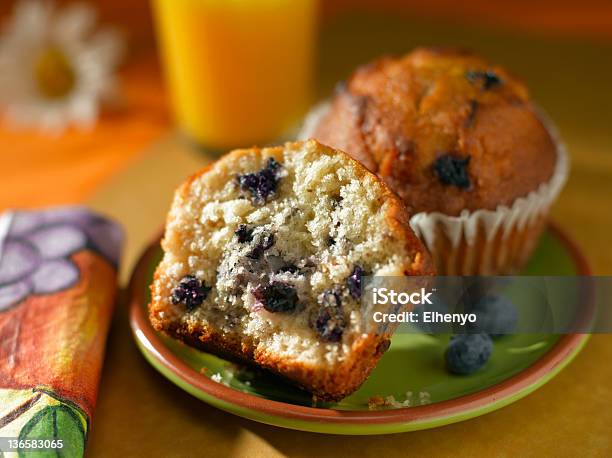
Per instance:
x=261, y=185
x=466, y=353
x=191, y=292
x=496, y=315
x=452, y=170
x=276, y=297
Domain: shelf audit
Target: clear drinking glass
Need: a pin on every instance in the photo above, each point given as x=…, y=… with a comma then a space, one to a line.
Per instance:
x=239, y=71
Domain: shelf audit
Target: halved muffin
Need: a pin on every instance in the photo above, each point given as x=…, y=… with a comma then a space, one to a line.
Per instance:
x=264, y=256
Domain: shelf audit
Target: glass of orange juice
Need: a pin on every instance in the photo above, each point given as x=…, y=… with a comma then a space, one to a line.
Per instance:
x=239, y=71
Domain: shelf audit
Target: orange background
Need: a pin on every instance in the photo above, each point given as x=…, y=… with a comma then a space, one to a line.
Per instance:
x=128, y=166
x=37, y=170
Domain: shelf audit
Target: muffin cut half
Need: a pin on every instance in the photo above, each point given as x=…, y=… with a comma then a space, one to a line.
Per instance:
x=264, y=255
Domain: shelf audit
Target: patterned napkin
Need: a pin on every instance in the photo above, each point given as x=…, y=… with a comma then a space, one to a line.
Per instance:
x=58, y=270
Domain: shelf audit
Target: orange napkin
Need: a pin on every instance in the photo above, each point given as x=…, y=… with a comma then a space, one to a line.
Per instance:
x=58, y=279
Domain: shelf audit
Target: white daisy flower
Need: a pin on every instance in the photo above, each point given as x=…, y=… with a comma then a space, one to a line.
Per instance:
x=55, y=70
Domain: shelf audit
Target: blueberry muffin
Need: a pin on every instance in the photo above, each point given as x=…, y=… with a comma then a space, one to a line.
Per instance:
x=453, y=135
x=264, y=254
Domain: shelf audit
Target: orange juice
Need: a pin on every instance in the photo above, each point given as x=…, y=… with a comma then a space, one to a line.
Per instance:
x=239, y=71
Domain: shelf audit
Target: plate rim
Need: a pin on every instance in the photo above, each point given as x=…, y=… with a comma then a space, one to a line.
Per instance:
x=435, y=414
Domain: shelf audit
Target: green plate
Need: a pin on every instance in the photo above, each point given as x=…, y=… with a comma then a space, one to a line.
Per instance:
x=411, y=371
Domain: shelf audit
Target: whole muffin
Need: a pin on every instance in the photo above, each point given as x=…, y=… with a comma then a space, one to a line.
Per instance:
x=453, y=135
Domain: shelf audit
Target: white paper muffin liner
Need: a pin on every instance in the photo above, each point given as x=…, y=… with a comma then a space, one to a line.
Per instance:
x=497, y=226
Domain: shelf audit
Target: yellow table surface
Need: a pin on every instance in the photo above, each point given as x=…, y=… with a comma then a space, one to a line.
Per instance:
x=140, y=413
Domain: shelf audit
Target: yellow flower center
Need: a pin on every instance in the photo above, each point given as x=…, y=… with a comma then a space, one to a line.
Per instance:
x=54, y=74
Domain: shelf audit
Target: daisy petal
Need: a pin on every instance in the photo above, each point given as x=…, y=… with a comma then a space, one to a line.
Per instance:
x=29, y=22
x=108, y=46
x=74, y=23
x=55, y=71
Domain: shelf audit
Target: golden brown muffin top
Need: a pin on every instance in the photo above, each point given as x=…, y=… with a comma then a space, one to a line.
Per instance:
x=445, y=129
